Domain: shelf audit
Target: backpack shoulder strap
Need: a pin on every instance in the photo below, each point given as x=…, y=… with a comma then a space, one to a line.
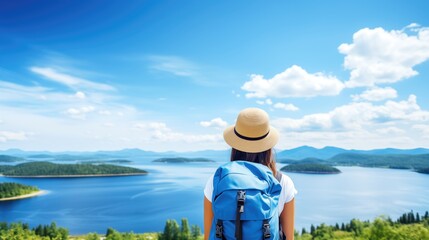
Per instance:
x=279, y=176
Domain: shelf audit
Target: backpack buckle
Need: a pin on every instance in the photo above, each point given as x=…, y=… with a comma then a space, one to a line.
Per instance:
x=241, y=196
x=219, y=229
x=267, y=233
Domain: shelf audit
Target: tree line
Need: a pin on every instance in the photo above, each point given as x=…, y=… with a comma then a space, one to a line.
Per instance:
x=409, y=226
x=52, y=169
x=172, y=231
x=15, y=189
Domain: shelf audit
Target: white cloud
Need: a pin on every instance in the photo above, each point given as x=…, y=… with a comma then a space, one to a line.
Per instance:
x=359, y=125
x=69, y=80
x=286, y=106
x=293, y=82
x=390, y=130
x=80, y=113
x=216, y=122
x=378, y=56
x=6, y=136
x=423, y=129
x=160, y=132
x=104, y=112
x=357, y=115
x=376, y=94
x=266, y=101
x=80, y=95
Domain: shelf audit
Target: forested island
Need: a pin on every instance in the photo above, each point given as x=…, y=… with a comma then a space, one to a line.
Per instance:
x=7, y=158
x=48, y=169
x=311, y=168
x=182, y=160
x=418, y=162
x=424, y=170
x=11, y=191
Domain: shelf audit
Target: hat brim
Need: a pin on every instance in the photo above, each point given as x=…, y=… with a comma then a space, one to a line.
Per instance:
x=250, y=146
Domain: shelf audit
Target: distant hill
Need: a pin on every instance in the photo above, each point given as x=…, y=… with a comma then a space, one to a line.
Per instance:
x=136, y=154
x=48, y=169
x=7, y=158
x=329, y=152
x=312, y=168
x=400, y=161
x=396, y=161
x=182, y=160
x=309, y=152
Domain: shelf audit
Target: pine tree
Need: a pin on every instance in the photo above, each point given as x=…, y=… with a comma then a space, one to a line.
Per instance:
x=195, y=232
x=312, y=229
x=185, y=233
x=417, y=218
x=109, y=231
x=303, y=231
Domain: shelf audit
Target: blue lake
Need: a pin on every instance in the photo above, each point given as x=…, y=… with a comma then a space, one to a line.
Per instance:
x=174, y=191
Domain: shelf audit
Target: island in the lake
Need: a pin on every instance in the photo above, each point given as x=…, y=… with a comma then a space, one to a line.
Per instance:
x=48, y=169
x=310, y=168
x=182, y=160
x=14, y=191
x=8, y=159
x=424, y=170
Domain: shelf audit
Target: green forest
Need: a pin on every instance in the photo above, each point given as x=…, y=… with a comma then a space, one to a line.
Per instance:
x=418, y=162
x=52, y=169
x=310, y=168
x=8, y=190
x=409, y=226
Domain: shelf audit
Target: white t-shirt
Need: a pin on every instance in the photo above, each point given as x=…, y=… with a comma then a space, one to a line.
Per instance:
x=287, y=193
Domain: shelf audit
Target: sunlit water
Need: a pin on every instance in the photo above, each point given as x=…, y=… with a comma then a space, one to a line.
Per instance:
x=174, y=191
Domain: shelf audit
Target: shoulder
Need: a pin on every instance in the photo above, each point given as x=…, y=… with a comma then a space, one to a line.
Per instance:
x=286, y=180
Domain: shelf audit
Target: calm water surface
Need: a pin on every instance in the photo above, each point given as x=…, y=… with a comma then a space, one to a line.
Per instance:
x=173, y=191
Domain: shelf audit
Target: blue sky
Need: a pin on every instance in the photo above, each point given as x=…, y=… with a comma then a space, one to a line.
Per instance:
x=171, y=75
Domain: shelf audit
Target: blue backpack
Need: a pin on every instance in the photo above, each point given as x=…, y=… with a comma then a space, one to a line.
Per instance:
x=245, y=200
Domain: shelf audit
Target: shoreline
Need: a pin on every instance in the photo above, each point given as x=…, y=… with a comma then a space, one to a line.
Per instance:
x=30, y=195
x=76, y=176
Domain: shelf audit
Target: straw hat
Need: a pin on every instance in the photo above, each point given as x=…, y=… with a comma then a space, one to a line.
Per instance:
x=252, y=132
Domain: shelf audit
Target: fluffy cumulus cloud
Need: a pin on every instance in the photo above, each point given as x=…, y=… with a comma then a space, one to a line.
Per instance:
x=266, y=101
x=293, y=82
x=80, y=95
x=216, y=122
x=360, y=125
x=378, y=56
x=286, y=106
x=357, y=115
x=80, y=112
x=376, y=94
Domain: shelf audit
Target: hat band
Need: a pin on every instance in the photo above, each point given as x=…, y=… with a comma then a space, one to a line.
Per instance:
x=250, y=138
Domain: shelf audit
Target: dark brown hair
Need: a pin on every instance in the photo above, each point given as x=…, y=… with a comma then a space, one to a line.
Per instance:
x=265, y=157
